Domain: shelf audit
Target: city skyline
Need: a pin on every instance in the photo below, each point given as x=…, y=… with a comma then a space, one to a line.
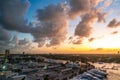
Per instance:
x=60, y=26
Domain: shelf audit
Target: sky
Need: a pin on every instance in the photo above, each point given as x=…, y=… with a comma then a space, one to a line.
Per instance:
x=60, y=26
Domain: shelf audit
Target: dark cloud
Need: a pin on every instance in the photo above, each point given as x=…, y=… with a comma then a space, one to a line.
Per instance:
x=52, y=26
x=52, y=12
x=114, y=23
x=84, y=28
x=89, y=14
x=101, y=16
x=4, y=35
x=91, y=39
x=4, y=39
x=78, y=7
x=12, y=15
x=13, y=43
x=114, y=32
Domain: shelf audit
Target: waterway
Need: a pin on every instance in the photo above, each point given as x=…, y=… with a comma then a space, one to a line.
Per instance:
x=113, y=70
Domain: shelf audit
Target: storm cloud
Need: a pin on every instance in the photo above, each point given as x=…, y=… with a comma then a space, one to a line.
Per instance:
x=4, y=35
x=12, y=15
x=4, y=39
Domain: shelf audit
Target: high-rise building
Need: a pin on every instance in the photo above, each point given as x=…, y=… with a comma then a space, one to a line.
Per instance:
x=7, y=53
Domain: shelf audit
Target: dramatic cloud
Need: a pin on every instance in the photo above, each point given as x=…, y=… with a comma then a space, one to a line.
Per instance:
x=89, y=14
x=4, y=39
x=78, y=7
x=84, y=28
x=115, y=32
x=91, y=39
x=52, y=12
x=12, y=15
x=7, y=42
x=52, y=26
x=114, y=23
x=4, y=35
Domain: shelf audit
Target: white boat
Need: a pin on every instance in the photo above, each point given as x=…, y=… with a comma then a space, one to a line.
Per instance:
x=18, y=77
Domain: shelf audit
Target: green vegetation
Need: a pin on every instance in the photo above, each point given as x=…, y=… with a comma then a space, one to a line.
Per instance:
x=86, y=57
